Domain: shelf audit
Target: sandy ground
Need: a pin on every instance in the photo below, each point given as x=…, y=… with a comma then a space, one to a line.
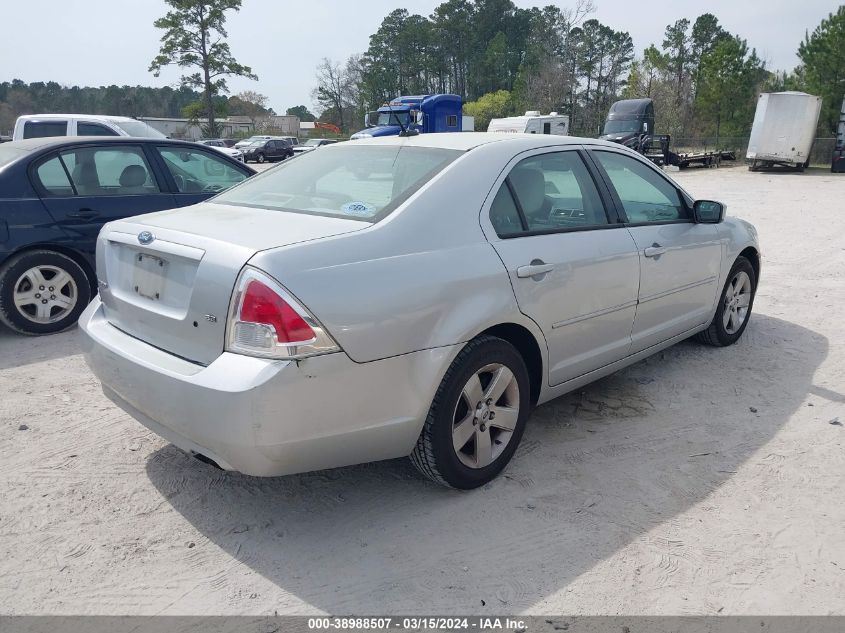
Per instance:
x=699, y=481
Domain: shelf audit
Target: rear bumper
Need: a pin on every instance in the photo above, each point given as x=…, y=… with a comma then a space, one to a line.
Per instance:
x=263, y=417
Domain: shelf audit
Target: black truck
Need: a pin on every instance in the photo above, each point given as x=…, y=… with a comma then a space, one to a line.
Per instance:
x=630, y=122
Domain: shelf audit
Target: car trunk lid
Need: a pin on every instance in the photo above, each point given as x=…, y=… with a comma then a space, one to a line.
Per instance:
x=167, y=278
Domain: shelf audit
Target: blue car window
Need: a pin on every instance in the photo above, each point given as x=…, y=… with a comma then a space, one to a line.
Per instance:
x=110, y=171
x=53, y=178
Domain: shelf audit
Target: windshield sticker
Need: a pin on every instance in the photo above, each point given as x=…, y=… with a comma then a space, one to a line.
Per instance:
x=361, y=209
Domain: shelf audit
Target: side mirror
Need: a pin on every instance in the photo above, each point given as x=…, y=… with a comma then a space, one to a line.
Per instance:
x=371, y=120
x=708, y=211
x=645, y=126
x=418, y=117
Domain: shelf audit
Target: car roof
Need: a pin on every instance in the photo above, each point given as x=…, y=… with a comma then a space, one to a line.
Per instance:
x=95, y=117
x=33, y=144
x=464, y=141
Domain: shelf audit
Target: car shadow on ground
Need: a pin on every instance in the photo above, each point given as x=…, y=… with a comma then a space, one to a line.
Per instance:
x=597, y=469
x=17, y=350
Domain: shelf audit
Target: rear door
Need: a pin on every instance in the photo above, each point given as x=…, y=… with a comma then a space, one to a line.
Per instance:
x=197, y=174
x=679, y=259
x=85, y=187
x=573, y=267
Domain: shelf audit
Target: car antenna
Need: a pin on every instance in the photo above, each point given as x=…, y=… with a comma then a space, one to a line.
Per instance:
x=405, y=131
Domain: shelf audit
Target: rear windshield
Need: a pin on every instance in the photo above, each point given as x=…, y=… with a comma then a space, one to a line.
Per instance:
x=345, y=181
x=138, y=129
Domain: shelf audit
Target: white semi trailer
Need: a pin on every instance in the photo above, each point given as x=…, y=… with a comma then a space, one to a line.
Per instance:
x=783, y=130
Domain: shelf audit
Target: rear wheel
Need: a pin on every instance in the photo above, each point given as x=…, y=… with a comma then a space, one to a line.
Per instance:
x=734, y=308
x=42, y=292
x=477, y=417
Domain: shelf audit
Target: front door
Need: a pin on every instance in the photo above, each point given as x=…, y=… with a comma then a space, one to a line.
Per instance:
x=679, y=259
x=574, y=270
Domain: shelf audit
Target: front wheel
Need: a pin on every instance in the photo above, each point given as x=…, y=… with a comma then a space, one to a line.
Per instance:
x=260, y=158
x=477, y=417
x=42, y=292
x=734, y=308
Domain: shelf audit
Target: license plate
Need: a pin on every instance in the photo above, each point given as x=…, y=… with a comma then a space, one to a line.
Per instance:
x=150, y=273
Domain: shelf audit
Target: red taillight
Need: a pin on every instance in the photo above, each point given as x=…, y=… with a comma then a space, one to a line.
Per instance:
x=261, y=305
x=266, y=320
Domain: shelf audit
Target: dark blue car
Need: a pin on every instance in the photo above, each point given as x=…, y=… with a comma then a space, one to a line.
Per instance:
x=56, y=194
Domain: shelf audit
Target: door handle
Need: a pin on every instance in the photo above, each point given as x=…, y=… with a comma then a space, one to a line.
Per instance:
x=655, y=250
x=537, y=269
x=85, y=214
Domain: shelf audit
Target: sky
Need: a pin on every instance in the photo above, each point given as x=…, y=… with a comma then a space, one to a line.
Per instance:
x=103, y=42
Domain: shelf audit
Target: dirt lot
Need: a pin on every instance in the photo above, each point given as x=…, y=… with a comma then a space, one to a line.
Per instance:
x=699, y=481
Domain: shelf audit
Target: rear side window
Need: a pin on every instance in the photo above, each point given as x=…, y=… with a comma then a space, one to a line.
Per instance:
x=93, y=129
x=110, y=171
x=42, y=129
x=53, y=177
x=553, y=192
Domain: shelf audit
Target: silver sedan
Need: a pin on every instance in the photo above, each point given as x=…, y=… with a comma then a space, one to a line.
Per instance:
x=406, y=296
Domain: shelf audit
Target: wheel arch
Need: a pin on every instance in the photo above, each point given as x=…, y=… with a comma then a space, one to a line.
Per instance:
x=75, y=255
x=752, y=255
x=529, y=348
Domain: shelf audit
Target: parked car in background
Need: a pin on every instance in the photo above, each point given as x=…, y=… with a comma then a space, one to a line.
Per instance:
x=421, y=310
x=56, y=195
x=252, y=139
x=226, y=142
x=311, y=144
x=221, y=146
x=46, y=125
x=270, y=150
x=294, y=141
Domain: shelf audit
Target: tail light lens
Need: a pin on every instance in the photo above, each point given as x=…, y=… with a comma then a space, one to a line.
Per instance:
x=266, y=320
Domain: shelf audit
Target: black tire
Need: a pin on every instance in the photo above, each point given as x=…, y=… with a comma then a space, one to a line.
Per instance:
x=434, y=455
x=12, y=271
x=260, y=158
x=716, y=334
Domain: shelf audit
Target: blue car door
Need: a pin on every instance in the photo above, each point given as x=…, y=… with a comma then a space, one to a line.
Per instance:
x=84, y=187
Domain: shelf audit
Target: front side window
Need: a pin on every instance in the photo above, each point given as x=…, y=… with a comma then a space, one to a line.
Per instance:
x=94, y=129
x=197, y=171
x=645, y=195
x=43, y=129
x=110, y=171
x=552, y=192
x=347, y=181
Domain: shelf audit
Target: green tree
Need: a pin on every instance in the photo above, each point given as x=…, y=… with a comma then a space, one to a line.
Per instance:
x=489, y=106
x=730, y=77
x=302, y=112
x=194, y=37
x=822, y=71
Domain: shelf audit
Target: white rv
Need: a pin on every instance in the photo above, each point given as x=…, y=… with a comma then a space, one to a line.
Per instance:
x=531, y=123
x=783, y=130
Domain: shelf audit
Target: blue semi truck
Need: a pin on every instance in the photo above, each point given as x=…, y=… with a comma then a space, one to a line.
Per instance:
x=418, y=114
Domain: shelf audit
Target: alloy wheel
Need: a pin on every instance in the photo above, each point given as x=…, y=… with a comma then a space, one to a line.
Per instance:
x=737, y=301
x=485, y=415
x=45, y=294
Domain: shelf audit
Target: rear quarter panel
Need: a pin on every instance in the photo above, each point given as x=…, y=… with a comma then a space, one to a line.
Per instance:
x=424, y=277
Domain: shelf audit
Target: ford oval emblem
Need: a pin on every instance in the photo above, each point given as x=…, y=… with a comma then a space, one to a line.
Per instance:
x=145, y=237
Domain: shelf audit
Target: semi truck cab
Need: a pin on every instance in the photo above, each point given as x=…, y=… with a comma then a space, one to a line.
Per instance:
x=628, y=120
x=420, y=114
